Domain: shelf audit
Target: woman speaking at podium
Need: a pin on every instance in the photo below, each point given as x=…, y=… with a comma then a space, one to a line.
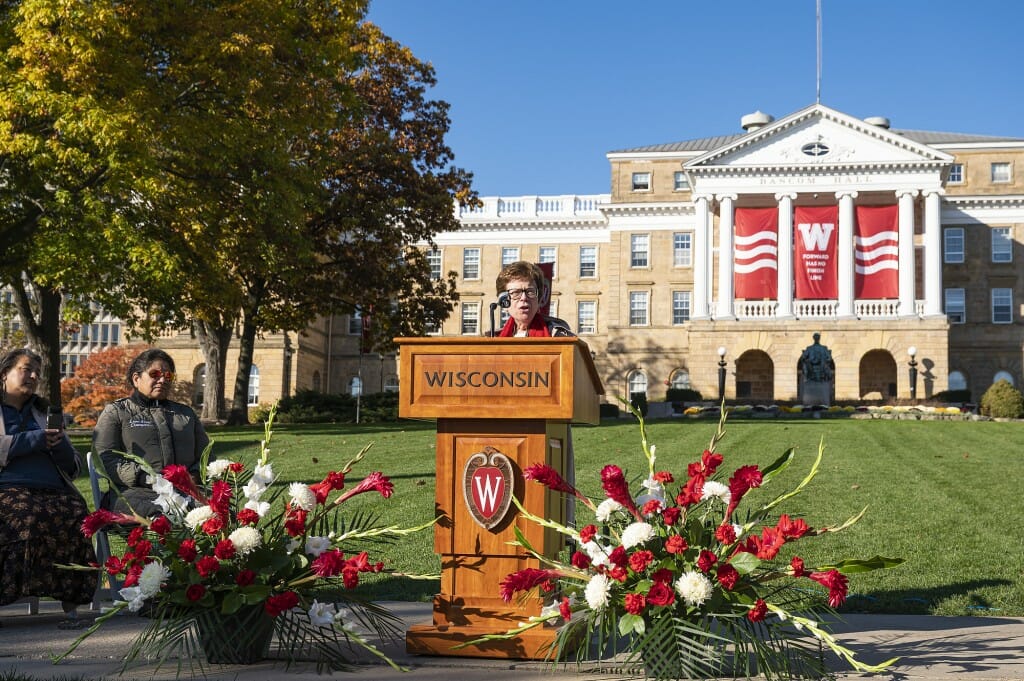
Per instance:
x=521, y=287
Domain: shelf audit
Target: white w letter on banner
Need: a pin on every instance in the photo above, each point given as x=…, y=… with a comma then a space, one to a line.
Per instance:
x=815, y=235
x=486, y=494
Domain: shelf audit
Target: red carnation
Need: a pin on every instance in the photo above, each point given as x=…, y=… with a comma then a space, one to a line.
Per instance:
x=194, y=592
x=651, y=507
x=207, y=565
x=100, y=518
x=245, y=578
x=160, y=525
x=580, y=560
x=187, y=550
x=524, y=580
x=670, y=515
x=727, y=575
x=706, y=560
x=275, y=605
x=726, y=533
x=635, y=603
x=758, y=612
x=639, y=561
x=661, y=594
x=618, y=573
x=329, y=563
x=225, y=549
x=236, y=467
x=587, y=533
x=213, y=525
x=676, y=544
x=836, y=583
x=549, y=477
x=247, y=516
x=663, y=575
x=618, y=556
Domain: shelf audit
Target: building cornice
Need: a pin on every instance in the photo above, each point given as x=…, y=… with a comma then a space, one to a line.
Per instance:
x=976, y=200
x=665, y=208
x=985, y=146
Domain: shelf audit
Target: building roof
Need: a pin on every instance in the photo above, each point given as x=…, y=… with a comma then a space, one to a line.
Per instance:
x=704, y=144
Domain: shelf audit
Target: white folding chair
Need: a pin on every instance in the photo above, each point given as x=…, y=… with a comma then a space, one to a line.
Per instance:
x=102, y=544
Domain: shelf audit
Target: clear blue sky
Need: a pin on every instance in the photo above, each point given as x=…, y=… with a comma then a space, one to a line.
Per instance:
x=540, y=91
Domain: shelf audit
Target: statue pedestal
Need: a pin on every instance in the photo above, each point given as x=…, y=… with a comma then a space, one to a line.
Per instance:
x=817, y=392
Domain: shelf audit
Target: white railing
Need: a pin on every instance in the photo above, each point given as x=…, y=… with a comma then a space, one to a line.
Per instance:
x=804, y=309
x=821, y=309
x=755, y=309
x=876, y=309
x=520, y=207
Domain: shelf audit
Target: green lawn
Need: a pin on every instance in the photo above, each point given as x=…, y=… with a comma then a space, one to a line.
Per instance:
x=943, y=495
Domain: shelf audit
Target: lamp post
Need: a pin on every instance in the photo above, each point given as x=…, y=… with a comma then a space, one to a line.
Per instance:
x=912, y=351
x=721, y=373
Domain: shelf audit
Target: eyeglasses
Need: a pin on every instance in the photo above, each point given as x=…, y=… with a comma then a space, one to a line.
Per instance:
x=157, y=374
x=518, y=293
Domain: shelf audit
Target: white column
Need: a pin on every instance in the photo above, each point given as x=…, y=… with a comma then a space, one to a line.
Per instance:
x=700, y=258
x=845, y=248
x=932, y=255
x=906, y=246
x=785, y=272
x=725, y=257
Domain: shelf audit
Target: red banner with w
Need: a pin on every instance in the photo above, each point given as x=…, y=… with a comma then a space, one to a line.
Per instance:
x=756, y=253
x=815, y=266
x=876, y=255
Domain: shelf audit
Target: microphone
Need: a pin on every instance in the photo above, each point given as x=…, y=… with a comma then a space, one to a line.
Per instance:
x=494, y=306
x=504, y=300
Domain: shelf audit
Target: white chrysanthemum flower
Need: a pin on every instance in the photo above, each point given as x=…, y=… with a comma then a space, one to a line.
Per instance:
x=254, y=489
x=152, y=578
x=246, y=539
x=317, y=545
x=216, y=469
x=597, y=591
x=714, y=489
x=302, y=496
x=694, y=588
x=133, y=596
x=636, y=534
x=198, y=516
x=597, y=554
x=322, y=614
x=263, y=475
x=261, y=507
x=606, y=508
x=293, y=545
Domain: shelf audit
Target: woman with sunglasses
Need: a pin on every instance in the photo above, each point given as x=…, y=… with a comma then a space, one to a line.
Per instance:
x=150, y=426
x=40, y=509
x=522, y=288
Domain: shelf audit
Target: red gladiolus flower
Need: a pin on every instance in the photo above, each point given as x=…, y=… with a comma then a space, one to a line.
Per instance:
x=676, y=544
x=792, y=529
x=374, y=482
x=836, y=583
x=635, y=603
x=100, y=518
x=771, y=541
x=350, y=577
x=135, y=536
x=618, y=556
x=213, y=525
x=639, y=561
x=207, y=565
x=142, y=549
x=220, y=497
x=131, y=577
x=194, y=592
x=160, y=525
x=225, y=549
x=615, y=486
x=588, y=533
x=661, y=594
x=328, y=563
x=236, y=467
x=565, y=609
x=692, y=491
x=245, y=577
x=182, y=480
x=797, y=564
x=323, y=489
x=671, y=515
x=295, y=524
x=247, y=516
x=758, y=612
x=743, y=480
x=709, y=463
x=282, y=602
x=663, y=477
x=113, y=565
x=524, y=580
x=187, y=550
x=726, y=533
x=663, y=575
x=727, y=575
x=706, y=560
x=580, y=560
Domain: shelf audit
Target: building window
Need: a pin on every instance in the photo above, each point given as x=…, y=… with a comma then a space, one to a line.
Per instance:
x=391, y=384
x=509, y=255
x=956, y=305
x=588, y=262
x=956, y=174
x=1003, y=376
x=432, y=328
x=434, y=260
x=355, y=386
x=470, y=319
x=639, y=250
x=953, y=244
x=586, y=316
x=638, y=308
x=254, y=386
x=198, y=385
x=957, y=381
x=1002, y=245
x=549, y=254
x=641, y=182
x=355, y=323
x=682, y=249
x=470, y=263
x=680, y=182
x=552, y=308
x=637, y=383
x=680, y=380
x=680, y=307
x=1002, y=306
x=1001, y=172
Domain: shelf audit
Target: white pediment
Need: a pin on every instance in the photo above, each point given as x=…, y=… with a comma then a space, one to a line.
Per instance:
x=818, y=137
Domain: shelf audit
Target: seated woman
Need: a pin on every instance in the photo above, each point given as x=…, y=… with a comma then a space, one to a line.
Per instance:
x=150, y=426
x=525, y=284
x=41, y=512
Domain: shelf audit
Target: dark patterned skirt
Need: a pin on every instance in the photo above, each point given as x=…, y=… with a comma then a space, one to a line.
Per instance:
x=39, y=529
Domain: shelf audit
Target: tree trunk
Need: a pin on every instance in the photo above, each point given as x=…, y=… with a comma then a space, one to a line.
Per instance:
x=214, y=339
x=240, y=400
x=40, y=317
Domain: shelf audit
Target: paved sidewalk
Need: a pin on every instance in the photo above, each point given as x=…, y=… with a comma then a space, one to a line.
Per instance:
x=930, y=648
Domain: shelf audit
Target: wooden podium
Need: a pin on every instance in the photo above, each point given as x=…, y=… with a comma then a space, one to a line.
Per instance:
x=501, y=405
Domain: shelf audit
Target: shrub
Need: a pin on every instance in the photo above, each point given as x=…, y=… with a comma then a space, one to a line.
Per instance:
x=639, y=402
x=683, y=395
x=310, y=406
x=1002, y=400
x=609, y=411
x=947, y=396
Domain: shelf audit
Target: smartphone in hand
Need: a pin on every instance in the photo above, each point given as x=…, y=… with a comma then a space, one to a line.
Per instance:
x=54, y=419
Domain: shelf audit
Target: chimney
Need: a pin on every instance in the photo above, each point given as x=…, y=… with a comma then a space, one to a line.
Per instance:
x=756, y=120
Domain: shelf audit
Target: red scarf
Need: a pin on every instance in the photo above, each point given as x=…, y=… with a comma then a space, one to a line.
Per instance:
x=538, y=328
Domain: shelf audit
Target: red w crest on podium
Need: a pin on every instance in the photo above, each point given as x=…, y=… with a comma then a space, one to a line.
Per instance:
x=487, y=486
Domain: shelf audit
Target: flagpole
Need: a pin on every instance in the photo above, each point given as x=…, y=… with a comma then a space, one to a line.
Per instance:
x=817, y=96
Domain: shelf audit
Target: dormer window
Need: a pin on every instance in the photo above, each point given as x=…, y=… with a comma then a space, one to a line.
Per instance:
x=641, y=182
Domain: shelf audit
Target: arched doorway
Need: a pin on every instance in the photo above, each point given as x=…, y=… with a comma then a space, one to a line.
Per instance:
x=755, y=376
x=877, y=376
